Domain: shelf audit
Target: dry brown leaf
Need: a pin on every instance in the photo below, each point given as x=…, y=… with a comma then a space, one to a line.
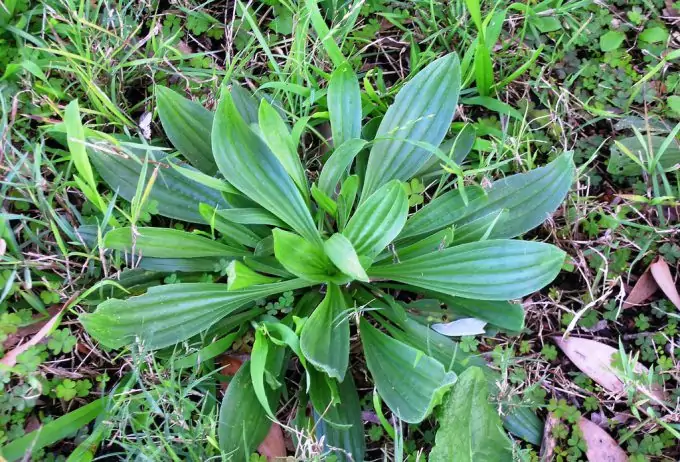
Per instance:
x=595, y=360
x=274, y=446
x=662, y=276
x=600, y=446
x=644, y=288
x=548, y=443
x=10, y=359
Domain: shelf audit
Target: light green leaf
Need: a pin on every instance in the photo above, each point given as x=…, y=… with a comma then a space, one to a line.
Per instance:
x=470, y=429
x=436, y=241
x=338, y=164
x=167, y=243
x=495, y=105
x=258, y=363
x=502, y=314
x=249, y=165
x=529, y=197
x=410, y=382
x=344, y=105
x=243, y=422
x=240, y=276
x=422, y=112
x=443, y=211
x=479, y=229
x=325, y=336
x=172, y=313
x=277, y=136
x=250, y=216
x=654, y=35
x=483, y=69
x=187, y=125
x=378, y=220
x=324, y=202
x=75, y=137
x=341, y=252
x=302, y=258
x=486, y=270
x=611, y=40
x=346, y=199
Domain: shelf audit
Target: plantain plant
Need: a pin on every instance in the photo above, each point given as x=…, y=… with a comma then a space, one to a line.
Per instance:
x=345, y=246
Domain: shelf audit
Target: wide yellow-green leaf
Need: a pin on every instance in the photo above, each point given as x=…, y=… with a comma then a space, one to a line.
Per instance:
x=344, y=105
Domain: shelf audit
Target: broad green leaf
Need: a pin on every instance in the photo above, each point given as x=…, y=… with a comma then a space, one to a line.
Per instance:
x=443, y=211
x=243, y=422
x=344, y=105
x=325, y=336
x=529, y=197
x=52, y=432
x=206, y=180
x=338, y=164
x=487, y=270
x=247, y=105
x=249, y=165
x=348, y=443
x=437, y=241
x=410, y=382
x=250, y=216
x=167, y=243
x=172, y=313
x=187, y=125
x=611, y=40
x=75, y=137
x=341, y=252
x=470, y=429
x=302, y=258
x=523, y=422
x=621, y=164
x=324, y=202
x=457, y=149
x=500, y=313
x=233, y=232
x=479, y=229
x=422, y=112
x=278, y=139
x=175, y=195
x=180, y=265
x=240, y=276
x=378, y=220
x=209, y=351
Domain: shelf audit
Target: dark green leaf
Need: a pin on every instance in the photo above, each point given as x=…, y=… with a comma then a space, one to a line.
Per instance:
x=250, y=166
x=443, y=211
x=470, y=429
x=378, y=220
x=232, y=232
x=176, y=196
x=325, y=336
x=422, y=112
x=169, y=314
x=529, y=197
x=187, y=124
x=410, y=382
x=250, y=216
x=488, y=270
x=344, y=105
x=167, y=243
x=243, y=422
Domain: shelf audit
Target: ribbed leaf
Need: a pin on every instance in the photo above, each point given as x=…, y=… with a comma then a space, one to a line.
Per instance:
x=529, y=197
x=180, y=265
x=409, y=381
x=240, y=276
x=249, y=165
x=250, y=216
x=378, y=220
x=167, y=243
x=341, y=252
x=457, y=149
x=347, y=443
x=187, y=125
x=443, y=211
x=479, y=229
x=302, y=258
x=422, y=112
x=279, y=141
x=338, y=164
x=169, y=314
x=325, y=336
x=503, y=314
x=243, y=422
x=488, y=270
x=233, y=232
x=470, y=429
x=344, y=105
x=177, y=196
